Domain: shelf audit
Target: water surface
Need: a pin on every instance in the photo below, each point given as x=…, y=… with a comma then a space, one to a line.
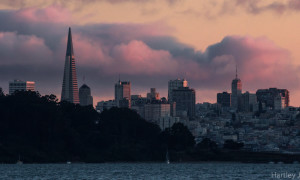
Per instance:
x=213, y=171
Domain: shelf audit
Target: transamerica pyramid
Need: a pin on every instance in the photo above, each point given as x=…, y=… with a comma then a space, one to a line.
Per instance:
x=70, y=88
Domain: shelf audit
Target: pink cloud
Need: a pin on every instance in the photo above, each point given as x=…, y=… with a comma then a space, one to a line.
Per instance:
x=87, y=51
x=261, y=64
x=138, y=58
x=265, y=64
x=54, y=14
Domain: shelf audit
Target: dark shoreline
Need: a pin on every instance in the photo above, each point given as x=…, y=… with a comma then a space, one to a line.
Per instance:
x=246, y=157
x=221, y=156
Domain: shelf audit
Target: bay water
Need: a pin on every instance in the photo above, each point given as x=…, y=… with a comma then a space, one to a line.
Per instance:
x=151, y=171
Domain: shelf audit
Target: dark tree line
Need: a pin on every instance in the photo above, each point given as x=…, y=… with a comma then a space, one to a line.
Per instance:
x=40, y=129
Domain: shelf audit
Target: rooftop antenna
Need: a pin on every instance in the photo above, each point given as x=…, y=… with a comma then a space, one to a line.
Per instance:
x=120, y=79
x=236, y=75
x=83, y=79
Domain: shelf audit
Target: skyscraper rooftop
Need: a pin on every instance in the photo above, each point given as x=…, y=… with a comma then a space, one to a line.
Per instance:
x=70, y=51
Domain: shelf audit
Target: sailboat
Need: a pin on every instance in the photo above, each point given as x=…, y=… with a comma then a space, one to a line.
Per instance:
x=167, y=157
x=19, y=161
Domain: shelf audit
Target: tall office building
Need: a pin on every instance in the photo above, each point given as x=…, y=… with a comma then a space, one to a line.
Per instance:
x=236, y=92
x=123, y=94
x=18, y=85
x=70, y=88
x=1, y=92
x=85, y=96
x=268, y=96
x=224, y=99
x=175, y=84
x=185, y=99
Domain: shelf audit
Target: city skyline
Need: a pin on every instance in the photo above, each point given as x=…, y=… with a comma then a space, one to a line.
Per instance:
x=157, y=51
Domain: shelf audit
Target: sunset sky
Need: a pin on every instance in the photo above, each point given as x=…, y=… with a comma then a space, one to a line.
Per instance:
x=150, y=42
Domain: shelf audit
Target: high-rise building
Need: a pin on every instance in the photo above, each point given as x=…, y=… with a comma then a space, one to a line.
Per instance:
x=249, y=100
x=236, y=92
x=85, y=96
x=185, y=99
x=70, y=88
x=123, y=94
x=267, y=96
x=175, y=84
x=18, y=85
x=224, y=99
x=153, y=95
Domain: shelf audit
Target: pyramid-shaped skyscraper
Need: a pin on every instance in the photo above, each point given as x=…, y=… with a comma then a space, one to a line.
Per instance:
x=70, y=88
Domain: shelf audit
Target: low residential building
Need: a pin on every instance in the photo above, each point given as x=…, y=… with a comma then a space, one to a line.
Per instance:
x=101, y=106
x=18, y=85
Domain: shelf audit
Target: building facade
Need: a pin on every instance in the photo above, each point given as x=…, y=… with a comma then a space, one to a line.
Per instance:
x=168, y=122
x=236, y=93
x=249, y=100
x=155, y=110
x=175, y=84
x=85, y=97
x=105, y=105
x=279, y=102
x=138, y=104
x=224, y=99
x=153, y=95
x=267, y=96
x=70, y=88
x=18, y=85
x=185, y=99
x=123, y=94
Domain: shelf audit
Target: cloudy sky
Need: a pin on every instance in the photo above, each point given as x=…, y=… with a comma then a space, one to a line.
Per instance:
x=150, y=42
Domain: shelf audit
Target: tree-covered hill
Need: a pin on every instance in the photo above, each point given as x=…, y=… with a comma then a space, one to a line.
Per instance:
x=40, y=129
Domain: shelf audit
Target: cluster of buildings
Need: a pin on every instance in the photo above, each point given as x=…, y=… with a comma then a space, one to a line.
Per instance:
x=263, y=120
x=179, y=107
x=272, y=98
x=270, y=130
